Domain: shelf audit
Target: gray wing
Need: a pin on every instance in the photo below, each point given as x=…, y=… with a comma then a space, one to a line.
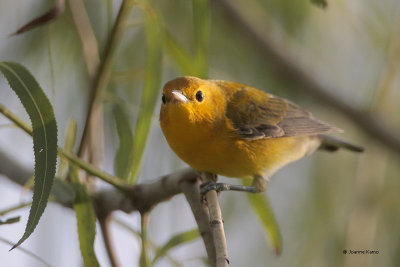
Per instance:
x=257, y=115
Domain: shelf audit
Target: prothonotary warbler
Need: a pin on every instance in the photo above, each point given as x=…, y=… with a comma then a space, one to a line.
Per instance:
x=235, y=130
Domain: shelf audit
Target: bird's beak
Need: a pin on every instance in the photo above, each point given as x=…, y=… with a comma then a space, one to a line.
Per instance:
x=178, y=97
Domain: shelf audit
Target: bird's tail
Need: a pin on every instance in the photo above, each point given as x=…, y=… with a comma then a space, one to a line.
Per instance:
x=330, y=143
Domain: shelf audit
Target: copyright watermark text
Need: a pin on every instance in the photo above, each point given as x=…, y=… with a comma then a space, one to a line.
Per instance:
x=360, y=252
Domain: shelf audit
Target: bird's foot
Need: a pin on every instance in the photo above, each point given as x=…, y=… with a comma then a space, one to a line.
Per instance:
x=219, y=187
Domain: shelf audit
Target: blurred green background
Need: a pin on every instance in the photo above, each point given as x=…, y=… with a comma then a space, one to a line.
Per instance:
x=324, y=204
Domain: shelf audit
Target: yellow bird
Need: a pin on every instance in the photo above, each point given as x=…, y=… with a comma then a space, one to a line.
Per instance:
x=236, y=130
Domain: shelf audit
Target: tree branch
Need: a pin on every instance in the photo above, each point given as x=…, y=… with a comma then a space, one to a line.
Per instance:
x=191, y=190
x=89, y=168
x=142, y=197
x=104, y=222
x=217, y=226
x=286, y=66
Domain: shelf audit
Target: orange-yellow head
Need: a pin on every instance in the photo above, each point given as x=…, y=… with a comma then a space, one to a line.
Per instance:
x=191, y=100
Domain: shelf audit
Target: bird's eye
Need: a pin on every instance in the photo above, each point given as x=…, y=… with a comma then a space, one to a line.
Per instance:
x=163, y=98
x=199, y=96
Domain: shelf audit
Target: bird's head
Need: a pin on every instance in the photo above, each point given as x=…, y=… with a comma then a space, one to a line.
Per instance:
x=192, y=99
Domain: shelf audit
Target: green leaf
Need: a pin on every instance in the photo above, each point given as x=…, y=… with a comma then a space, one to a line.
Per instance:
x=123, y=157
x=70, y=137
x=62, y=191
x=201, y=16
x=175, y=241
x=144, y=260
x=44, y=128
x=85, y=215
x=10, y=220
x=86, y=220
x=179, y=55
x=320, y=3
x=150, y=93
x=262, y=208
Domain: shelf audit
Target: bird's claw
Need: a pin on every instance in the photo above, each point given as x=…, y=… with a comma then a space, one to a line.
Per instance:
x=218, y=187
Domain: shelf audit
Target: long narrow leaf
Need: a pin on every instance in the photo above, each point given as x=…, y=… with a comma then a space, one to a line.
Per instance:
x=44, y=128
x=175, y=241
x=55, y=11
x=262, y=208
x=86, y=220
x=151, y=88
x=85, y=215
x=179, y=55
x=10, y=220
x=201, y=17
x=123, y=157
x=69, y=143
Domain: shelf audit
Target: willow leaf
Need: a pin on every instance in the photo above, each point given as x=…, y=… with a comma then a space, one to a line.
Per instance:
x=262, y=208
x=123, y=156
x=10, y=220
x=85, y=215
x=70, y=137
x=174, y=242
x=179, y=55
x=44, y=128
x=86, y=220
x=151, y=88
x=320, y=3
x=201, y=21
x=53, y=13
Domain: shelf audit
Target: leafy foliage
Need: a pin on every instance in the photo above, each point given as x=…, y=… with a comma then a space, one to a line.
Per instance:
x=152, y=83
x=320, y=3
x=264, y=211
x=123, y=156
x=10, y=220
x=44, y=128
x=85, y=215
x=175, y=241
x=86, y=220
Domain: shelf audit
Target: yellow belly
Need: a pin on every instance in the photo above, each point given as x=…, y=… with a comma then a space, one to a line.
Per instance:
x=220, y=151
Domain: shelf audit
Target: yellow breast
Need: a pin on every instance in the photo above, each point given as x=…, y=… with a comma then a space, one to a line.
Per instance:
x=213, y=146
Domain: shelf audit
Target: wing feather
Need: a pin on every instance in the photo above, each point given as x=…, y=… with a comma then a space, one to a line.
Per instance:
x=257, y=115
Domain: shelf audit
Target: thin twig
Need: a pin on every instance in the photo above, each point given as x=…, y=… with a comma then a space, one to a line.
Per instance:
x=144, y=255
x=104, y=73
x=217, y=226
x=93, y=170
x=141, y=197
x=92, y=60
x=136, y=234
x=105, y=232
x=86, y=35
x=24, y=250
x=191, y=191
x=89, y=168
x=15, y=119
x=285, y=66
x=14, y=208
